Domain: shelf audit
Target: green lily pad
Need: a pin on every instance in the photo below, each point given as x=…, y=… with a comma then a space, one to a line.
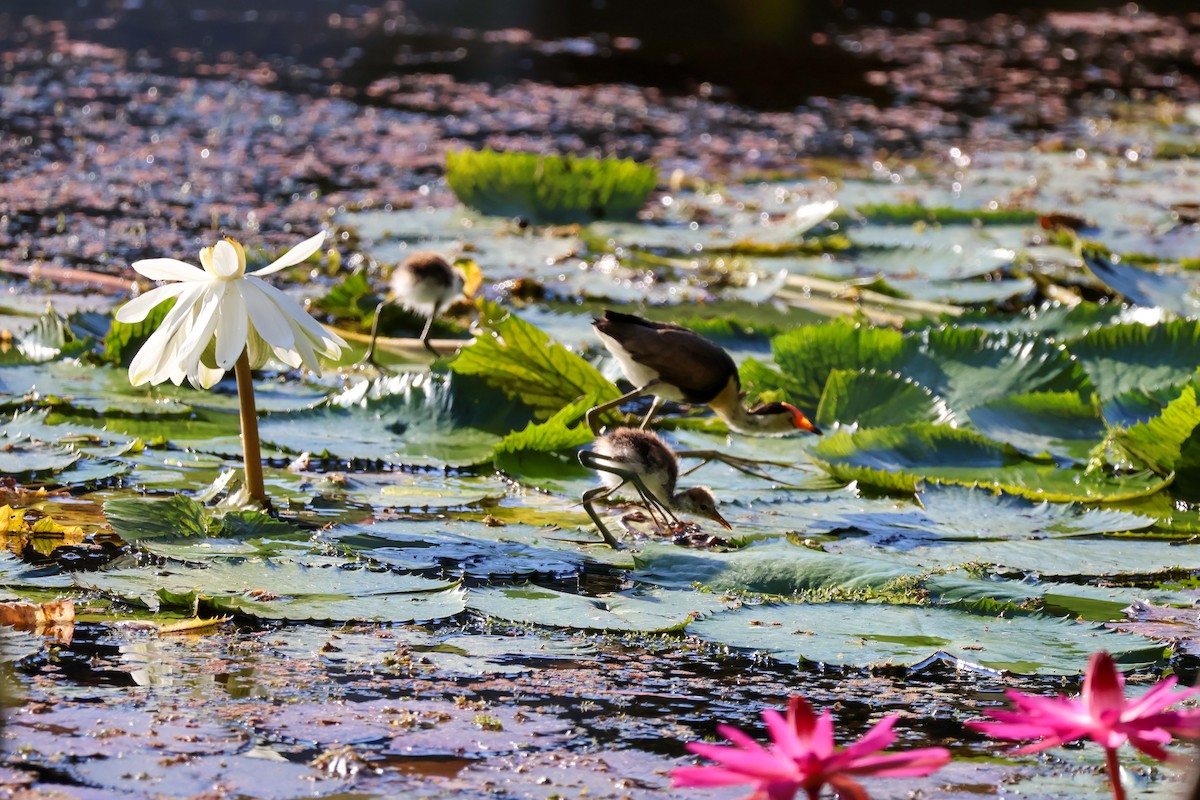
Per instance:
x=859, y=635
x=898, y=459
x=1131, y=357
x=775, y=568
x=312, y=588
x=643, y=611
x=1061, y=424
x=409, y=419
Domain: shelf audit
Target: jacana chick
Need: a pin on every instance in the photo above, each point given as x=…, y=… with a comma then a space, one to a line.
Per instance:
x=425, y=283
x=674, y=363
x=641, y=458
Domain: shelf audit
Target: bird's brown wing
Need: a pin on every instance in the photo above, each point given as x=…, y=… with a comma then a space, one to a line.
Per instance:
x=700, y=369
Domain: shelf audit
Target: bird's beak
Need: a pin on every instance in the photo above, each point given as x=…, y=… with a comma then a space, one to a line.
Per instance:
x=721, y=521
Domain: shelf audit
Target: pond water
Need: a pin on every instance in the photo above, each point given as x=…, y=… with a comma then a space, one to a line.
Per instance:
x=1006, y=483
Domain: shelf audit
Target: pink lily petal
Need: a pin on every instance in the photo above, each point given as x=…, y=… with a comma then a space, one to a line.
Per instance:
x=1103, y=687
x=707, y=776
x=740, y=738
x=753, y=764
x=900, y=765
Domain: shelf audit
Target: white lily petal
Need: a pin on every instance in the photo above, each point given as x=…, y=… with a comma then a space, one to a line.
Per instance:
x=225, y=261
x=293, y=311
x=160, y=348
x=137, y=308
x=145, y=363
x=294, y=256
x=204, y=325
x=271, y=323
x=233, y=328
x=169, y=269
x=206, y=377
x=308, y=354
x=288, y=356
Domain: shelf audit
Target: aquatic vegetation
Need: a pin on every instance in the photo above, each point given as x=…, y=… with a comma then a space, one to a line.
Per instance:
x=549, y=189
x=803, y=756
x=1101, y=714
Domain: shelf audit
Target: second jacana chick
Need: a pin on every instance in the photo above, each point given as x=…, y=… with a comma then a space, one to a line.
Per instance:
x=641, y=458
x=674, y=363
x=424, y=283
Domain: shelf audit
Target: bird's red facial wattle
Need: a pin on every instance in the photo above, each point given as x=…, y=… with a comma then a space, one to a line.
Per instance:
x=801, y=422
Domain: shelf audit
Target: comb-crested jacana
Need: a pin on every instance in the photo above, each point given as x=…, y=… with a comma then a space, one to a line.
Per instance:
x=641, y=458
x=674, y=363
x=424, y=283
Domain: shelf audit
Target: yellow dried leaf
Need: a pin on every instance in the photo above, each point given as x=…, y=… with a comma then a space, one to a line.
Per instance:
x=12, y=520
x=46, y=525
x=191, y=625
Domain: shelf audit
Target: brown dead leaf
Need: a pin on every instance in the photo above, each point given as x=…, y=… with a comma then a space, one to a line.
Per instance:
x=27, y=616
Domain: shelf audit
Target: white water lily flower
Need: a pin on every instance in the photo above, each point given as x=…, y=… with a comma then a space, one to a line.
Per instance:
x=219, y=312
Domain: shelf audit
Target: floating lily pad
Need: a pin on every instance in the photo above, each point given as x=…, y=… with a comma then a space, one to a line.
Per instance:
x=415, y=418
x=299, y=589
x=898, y=459
x=646, y=611
x=859, y=635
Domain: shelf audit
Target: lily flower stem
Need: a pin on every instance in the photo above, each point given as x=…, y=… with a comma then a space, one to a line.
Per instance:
x=1114, y=772
x=251, y=450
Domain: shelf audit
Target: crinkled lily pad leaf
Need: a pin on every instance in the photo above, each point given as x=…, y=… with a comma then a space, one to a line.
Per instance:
x=775, y=568
x=138, y=519
x=644, y=611
x=952, y=513
x=965, y=367
x=1062, y=424
x=415, y=418
x=25, y=458
x=877, y=399
x=808, y=354
x=1168, y=443
x=862, y=635
x=520, y=359
x=898, y=459
x=1131, y=357
x=410, y=545
x=1049, y=559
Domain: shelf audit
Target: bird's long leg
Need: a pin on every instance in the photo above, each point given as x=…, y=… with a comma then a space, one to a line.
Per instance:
x=743, y=465
x=425, y=333
x=369, y=357
x=588, y=497
x=593, y=460
x=658, y=401
x=593, y=414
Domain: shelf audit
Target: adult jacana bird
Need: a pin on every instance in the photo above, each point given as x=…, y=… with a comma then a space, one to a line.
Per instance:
x=424, y=283
x=641, y=458
x=674, y=363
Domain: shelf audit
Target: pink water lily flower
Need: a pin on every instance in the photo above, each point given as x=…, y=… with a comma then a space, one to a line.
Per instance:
x=802, y=755
x=221, y=311
x=1101, y=713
